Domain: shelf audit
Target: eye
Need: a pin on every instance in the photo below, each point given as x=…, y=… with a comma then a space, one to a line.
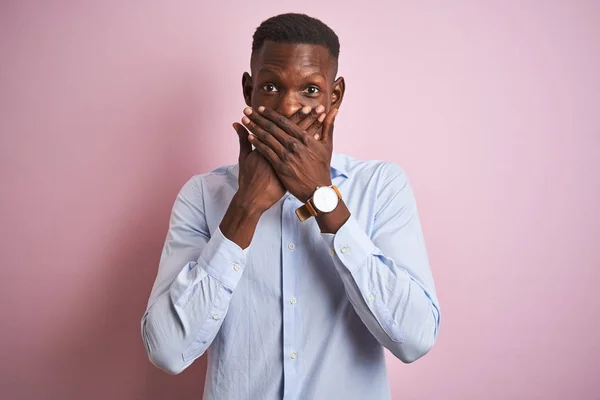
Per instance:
x=312, y=90
x=269, y=87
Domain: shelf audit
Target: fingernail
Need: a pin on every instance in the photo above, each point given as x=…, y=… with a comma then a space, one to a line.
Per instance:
x=305, y=110
x=261, y=109
x=250, y=137
x=320, y=109
x=246, y=120
x=316, y=136
x=247, y=110
x=321, y=117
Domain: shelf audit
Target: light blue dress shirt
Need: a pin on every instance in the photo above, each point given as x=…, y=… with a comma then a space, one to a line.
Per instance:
x=298, y=314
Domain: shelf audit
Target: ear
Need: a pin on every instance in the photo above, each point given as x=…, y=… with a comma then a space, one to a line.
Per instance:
x=337, y=95
x=247, y=88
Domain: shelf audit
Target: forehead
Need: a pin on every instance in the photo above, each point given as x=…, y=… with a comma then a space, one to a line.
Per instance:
x=292, y=58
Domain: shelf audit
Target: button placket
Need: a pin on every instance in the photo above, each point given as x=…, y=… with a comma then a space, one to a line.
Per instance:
x=288, y=271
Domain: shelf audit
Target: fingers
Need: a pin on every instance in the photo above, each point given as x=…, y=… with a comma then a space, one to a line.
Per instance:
x=311, y=117
x=328, y=126
x=300, y=114
x=315, y=129
x=271, y=133
x=304, y=124
x=258, y=135
x=245, y=145
x=285, y=130
x=282, y=124
x=264, y=149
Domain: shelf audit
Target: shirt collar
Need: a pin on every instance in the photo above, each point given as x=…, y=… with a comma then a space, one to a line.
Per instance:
x=337, y=166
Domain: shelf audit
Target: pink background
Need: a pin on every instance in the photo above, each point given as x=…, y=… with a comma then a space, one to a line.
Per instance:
x=107, y=108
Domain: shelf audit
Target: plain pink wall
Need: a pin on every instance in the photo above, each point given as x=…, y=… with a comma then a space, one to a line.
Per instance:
x=107, y=108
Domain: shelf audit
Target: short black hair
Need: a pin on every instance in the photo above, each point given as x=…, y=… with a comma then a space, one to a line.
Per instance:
x=296, y=29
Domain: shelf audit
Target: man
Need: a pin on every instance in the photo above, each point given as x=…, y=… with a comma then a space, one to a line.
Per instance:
x=295, y=267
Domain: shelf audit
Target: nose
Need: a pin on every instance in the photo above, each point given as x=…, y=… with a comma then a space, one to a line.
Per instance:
x=288, y=104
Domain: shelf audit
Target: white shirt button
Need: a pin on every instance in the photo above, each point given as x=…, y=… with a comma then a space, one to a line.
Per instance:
x=215, y=316
x=332, y=252
x=293, y=300
x=291, y=246
x=236, y=267
x=371, y=297
x=345, y=249
x=293, y=355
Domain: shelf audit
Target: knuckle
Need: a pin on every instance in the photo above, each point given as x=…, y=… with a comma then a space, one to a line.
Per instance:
x=285, y=123
x=292, y=146
x=280, y=119
x=269, y=126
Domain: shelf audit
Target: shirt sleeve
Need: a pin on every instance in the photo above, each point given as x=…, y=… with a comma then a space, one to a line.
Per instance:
x=197, y=275
x=386, y=273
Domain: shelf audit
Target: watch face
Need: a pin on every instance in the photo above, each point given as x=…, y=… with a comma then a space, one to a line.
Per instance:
x=325, y=199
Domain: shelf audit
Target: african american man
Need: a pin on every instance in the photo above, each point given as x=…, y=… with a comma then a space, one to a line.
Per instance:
x=295, y=267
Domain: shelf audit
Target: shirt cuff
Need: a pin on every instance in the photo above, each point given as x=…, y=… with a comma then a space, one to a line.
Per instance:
x=223, y=260
x=351, y=245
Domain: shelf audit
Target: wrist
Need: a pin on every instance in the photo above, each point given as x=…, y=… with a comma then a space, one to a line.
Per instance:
x=246, y=207
x=332, y=221
x=239, y=222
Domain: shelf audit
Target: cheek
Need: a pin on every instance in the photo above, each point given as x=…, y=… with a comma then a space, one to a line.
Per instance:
x=319, y=100
x=260, y=99
x=315, y=102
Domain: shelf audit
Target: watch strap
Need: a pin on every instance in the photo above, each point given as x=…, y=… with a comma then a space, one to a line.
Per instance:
x=306, y=211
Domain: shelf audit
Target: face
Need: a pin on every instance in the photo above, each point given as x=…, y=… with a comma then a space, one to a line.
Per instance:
x=287, y=77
